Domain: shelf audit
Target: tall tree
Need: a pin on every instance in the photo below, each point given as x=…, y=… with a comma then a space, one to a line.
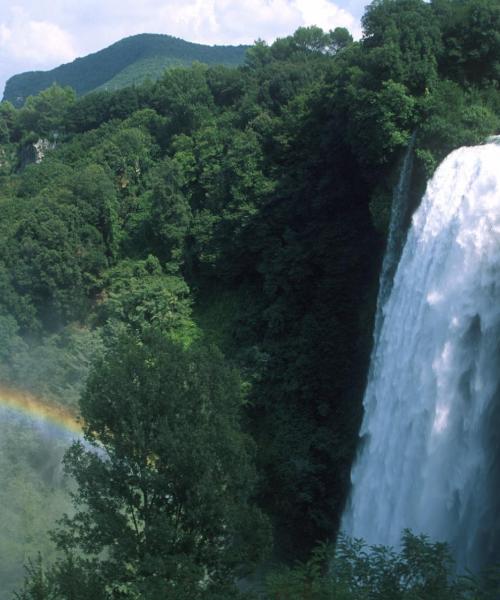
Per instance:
x=164, y=477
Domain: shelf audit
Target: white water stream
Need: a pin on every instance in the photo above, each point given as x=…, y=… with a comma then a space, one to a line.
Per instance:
x=395, y=235
x=429, y=455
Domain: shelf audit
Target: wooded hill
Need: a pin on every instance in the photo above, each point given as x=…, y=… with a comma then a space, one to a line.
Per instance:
x=129, y=61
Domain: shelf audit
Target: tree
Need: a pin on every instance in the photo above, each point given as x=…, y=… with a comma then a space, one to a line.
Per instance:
x=95, y=196
x=170, y=214
x=452, y=117
x=471, y=37
x=340, y=38
x=401, y=41
x=164, y=476
x=53, y=257
x=139, y=294
x=184, y=97
x=44, y=114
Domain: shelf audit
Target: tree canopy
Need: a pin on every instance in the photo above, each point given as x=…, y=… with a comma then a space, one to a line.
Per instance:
x=164, y=477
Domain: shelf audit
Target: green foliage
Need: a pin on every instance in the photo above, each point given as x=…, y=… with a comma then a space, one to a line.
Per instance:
x=44, y=114
x=170, y=212
x=183, y=96
x=69, y=578
x=352, y=571
x=311, y=39
x=452, y=118
x=340, y=38
x=225, y=185
x=403, y=42
x=470, y=30
x=52, y=253
x=4, y=131
x=139, y=295
x=151, y=68
x=164, y=479
x=381, y=121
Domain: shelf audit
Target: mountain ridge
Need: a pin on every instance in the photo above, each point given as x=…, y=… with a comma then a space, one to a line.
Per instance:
x=94, y=70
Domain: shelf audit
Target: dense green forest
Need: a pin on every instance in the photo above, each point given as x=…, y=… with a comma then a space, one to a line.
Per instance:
x=207, y=247
x=127, y=62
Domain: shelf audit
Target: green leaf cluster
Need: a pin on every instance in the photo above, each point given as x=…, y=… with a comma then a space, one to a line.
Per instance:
x=351, y=570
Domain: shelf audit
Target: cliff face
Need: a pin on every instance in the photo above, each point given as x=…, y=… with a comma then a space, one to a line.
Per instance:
x=3, y=158
x=34, y=153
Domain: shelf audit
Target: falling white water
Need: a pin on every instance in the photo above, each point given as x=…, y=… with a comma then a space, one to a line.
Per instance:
x=430, y=449
x=395, y=236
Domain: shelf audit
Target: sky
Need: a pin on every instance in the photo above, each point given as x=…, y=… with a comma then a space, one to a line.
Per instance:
x=42, y=34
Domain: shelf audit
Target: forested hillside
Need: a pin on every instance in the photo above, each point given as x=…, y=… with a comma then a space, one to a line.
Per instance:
x=127, y=62
x=210, y=243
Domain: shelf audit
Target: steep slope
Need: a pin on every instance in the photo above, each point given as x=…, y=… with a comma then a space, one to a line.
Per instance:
x=145, y=68
x=95, y=70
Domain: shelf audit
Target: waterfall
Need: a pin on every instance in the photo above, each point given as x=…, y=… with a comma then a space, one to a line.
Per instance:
x=429, y=456
x=395, y=235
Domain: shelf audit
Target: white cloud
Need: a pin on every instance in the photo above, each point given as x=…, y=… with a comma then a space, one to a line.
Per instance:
x=234, y=21
x=204, y=21
x=40, y=42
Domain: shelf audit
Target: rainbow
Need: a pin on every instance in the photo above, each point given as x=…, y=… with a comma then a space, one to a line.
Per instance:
x=40, y=409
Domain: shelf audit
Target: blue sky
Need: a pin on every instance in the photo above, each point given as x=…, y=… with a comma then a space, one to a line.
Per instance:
x=42, y=34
